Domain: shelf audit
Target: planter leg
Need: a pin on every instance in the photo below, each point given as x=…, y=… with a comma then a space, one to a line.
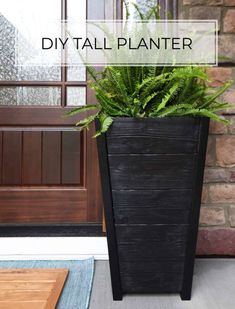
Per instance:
x=109, y=218
x=186, y=295
x=117, y=296
x=196, y=201
x=114, y=270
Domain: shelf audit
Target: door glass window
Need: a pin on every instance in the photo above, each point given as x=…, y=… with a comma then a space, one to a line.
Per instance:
x=28, y=85
x=12, y=16
x=30, y=96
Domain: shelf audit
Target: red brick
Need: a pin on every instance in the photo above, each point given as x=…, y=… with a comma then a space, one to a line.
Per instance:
x=232, y=215
x=214, y=2
x=231, y=127
x=218, y=127
x=216, y=175
x=227, y=46
x=204, y=198
x=229, y=2
x=229, y=21
x=212, y=216
x=229, y=97
x=231, y=175
x=225, y=150
x=222, y=193
x=219, y=75
x=210, y=153
x=216, y=241
x=200, y=12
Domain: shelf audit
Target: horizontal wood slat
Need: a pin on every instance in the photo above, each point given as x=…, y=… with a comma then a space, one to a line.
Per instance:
x=17, y=292
x=150, y=145
x=148, y=242
x=23, y=285
x=150, y=215
x=155, y=232
x=178, y=127
x=157, y=266
x=151, y=282
x=151, y=206
x=23, y=305
x=31, y=206
x=36, y=116
x=142, y=172
x=150, y=250
x=19, y=296
x=170, y=199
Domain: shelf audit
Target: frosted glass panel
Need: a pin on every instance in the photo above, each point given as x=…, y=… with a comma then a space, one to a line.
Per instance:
x=76, y=96
x=76, y=11
x=76, y=74
x=14, y=16
x=48, y=96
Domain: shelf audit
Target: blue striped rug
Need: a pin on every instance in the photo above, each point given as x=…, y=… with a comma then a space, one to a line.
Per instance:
x=77, y=289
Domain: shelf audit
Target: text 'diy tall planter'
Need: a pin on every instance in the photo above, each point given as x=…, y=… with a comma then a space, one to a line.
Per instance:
x=152, y=174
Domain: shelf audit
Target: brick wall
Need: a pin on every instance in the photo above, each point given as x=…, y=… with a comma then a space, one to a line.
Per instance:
x=217, y=219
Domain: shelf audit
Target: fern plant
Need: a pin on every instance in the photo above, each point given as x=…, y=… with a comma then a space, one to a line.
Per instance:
x=151, y=92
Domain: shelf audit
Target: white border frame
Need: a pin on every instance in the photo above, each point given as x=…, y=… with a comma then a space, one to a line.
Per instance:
x=53, y=248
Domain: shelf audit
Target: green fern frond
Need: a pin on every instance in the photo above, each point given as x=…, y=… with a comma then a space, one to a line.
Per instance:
x=127, y=11
x=218, y=106
x=108, y=105
x=116, y=79
x=84, y=123
x=167, y=97
x=205, y=113
x=149, y=98
x=172, y=109
x=217, y=93
x=105, y=122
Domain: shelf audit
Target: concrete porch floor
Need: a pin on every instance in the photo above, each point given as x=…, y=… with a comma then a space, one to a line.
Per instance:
x=213, y=288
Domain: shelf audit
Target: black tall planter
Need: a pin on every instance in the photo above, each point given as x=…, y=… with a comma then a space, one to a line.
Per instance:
x=152, y=175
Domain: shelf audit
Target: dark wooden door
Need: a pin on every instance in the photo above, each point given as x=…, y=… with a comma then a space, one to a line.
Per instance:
x=48, y=171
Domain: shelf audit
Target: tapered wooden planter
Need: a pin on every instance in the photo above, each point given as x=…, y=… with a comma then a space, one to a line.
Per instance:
x=152, y=175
